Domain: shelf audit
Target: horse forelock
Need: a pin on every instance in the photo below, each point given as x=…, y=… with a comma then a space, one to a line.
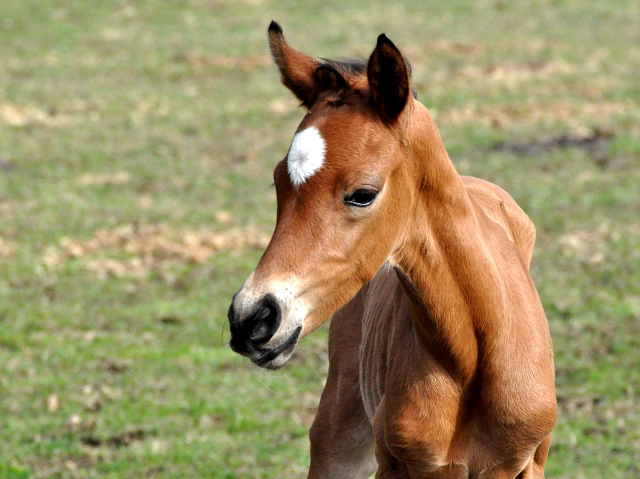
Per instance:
x=354, y=70
x=346, y=66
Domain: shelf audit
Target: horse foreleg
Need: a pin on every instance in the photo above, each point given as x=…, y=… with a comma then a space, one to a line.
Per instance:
x=342, y=442
x=341, y=436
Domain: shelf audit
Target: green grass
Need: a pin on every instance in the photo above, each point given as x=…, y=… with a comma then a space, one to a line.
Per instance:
x=151, y=123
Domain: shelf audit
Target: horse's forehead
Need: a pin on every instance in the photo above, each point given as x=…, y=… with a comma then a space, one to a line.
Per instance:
x=343, y=130
x=323, y=137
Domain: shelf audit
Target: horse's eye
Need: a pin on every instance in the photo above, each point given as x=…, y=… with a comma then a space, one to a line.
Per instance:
x=361, y=198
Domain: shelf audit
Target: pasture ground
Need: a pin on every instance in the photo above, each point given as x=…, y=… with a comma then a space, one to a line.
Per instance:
x=137, y=141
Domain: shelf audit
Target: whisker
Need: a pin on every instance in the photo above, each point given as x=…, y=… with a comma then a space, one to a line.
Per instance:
x=224, y=325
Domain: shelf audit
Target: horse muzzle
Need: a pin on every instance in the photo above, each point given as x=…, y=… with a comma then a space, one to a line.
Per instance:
x=257, y=334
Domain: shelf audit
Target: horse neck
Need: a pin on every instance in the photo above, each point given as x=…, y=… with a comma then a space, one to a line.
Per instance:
x=443, y=267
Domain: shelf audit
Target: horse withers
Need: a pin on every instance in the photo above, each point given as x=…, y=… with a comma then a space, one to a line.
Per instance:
x=441, y=363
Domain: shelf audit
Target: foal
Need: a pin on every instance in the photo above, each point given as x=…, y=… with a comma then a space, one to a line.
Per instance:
x=441, y=364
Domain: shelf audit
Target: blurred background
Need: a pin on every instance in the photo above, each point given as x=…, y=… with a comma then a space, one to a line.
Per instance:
x=137, y=141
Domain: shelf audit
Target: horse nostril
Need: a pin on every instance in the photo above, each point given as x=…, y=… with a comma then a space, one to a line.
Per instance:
x=266, y=320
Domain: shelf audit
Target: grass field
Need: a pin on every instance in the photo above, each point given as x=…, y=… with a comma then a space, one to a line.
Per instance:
x=137, y=141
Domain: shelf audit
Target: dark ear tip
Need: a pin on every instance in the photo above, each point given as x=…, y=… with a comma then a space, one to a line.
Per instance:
x=384, y=40
x=274, y=27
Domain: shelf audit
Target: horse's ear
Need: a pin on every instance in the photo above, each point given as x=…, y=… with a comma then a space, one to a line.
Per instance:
x=297, y=70
x=328, y=78
x=388, y=77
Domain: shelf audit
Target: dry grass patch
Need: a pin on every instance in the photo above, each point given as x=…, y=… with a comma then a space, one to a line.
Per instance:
x=577, y=117
x=135, y=250
x=112, y=178
x=23, y=115
x=510, y=73
x=199, y=61
x=593, y=246
x=6, y=248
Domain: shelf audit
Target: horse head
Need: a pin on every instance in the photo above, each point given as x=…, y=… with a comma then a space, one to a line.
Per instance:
x=343, y=197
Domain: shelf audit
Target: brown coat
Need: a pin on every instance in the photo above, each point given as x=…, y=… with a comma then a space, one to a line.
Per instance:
x=441, y=363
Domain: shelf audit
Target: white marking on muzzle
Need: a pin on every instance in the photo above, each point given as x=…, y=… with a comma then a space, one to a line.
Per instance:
x=306, y=155
x=293, y=312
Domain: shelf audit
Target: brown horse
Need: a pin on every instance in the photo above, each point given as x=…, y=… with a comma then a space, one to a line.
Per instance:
x=441, y=364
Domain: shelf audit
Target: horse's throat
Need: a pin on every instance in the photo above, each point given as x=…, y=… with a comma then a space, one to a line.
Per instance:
x=440, y=311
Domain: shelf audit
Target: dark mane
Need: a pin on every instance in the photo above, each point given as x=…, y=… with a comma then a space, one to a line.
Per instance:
x=347, y=66
x=354, y=67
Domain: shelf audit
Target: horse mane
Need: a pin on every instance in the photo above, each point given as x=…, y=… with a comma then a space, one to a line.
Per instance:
x=354, y=67
x=346, y=66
